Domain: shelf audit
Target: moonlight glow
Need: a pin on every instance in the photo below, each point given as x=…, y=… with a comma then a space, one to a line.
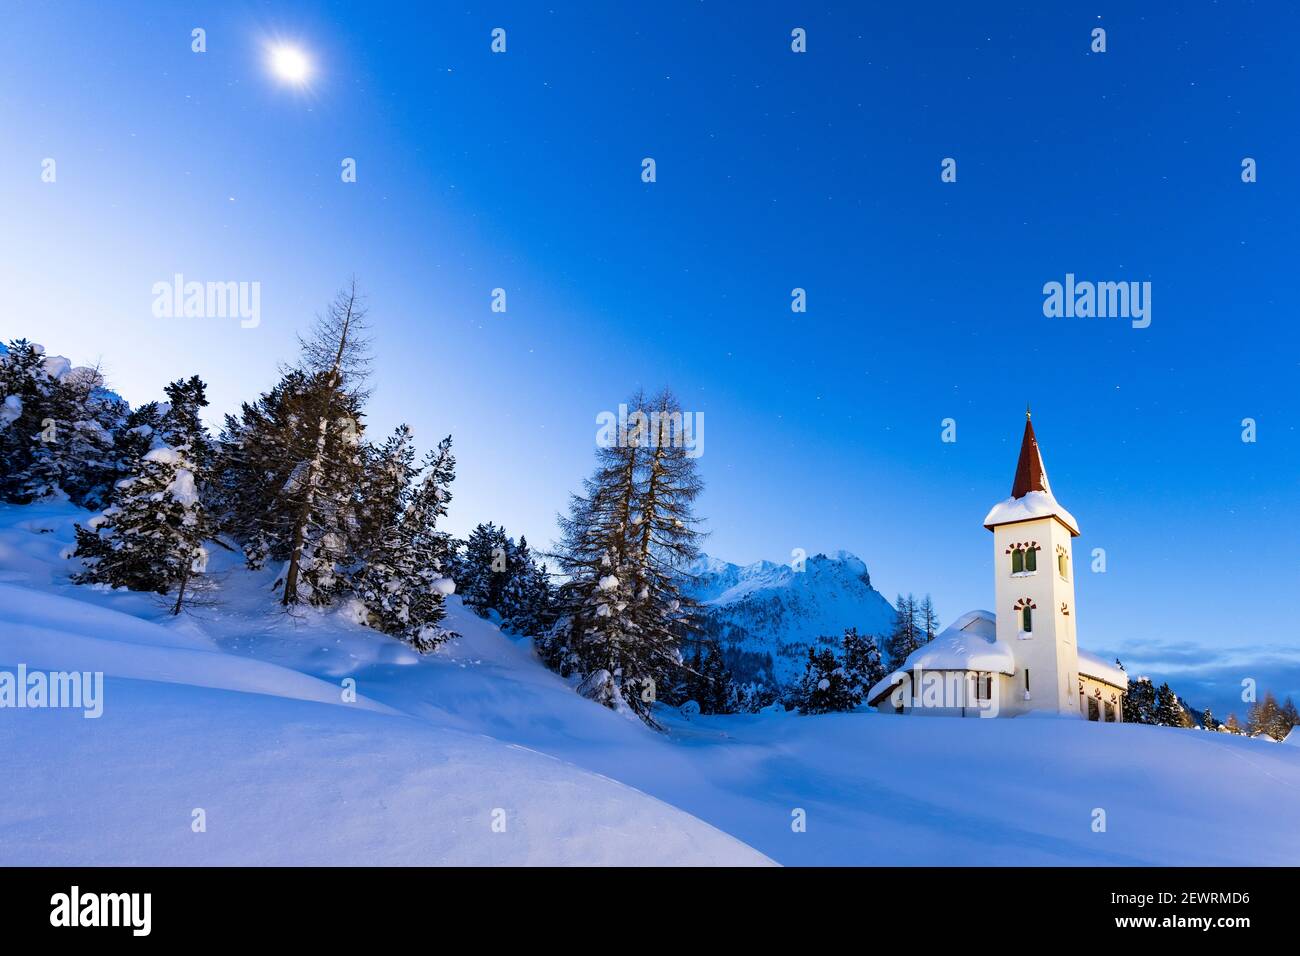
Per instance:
x=290, y=64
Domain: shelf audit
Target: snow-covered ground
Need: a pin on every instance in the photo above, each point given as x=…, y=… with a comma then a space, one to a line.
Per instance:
x=237, y=709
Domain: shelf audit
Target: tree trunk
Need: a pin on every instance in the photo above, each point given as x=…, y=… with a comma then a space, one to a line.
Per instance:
x=180, y=594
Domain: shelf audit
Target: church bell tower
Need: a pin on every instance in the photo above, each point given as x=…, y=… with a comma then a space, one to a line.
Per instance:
x=1033, y=577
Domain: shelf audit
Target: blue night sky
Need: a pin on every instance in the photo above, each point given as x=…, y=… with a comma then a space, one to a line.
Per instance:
x=775, y=170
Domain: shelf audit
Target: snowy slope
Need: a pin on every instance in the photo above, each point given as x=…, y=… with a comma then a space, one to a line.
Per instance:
x=283, y=769
x=767, y=615
x=235, y=709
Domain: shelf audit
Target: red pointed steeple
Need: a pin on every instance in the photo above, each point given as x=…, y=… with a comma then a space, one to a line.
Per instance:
x=1030, y=473
x=1031, y=476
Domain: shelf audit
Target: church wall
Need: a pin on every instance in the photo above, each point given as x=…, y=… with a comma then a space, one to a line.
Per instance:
x=1103, y=694
x=962, y=705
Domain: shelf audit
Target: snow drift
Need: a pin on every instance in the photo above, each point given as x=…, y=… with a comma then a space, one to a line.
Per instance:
x=236, y=715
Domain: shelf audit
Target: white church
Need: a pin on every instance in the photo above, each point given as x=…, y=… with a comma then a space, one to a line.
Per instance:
x=1024, y=657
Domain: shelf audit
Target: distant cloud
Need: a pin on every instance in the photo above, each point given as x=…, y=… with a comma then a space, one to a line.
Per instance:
x=1214, y=678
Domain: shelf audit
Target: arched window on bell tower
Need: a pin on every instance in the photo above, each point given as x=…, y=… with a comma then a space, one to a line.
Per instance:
x=1024, y=558
x=1024, y=611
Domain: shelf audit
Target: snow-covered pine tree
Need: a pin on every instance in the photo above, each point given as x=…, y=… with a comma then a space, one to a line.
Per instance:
x=708, y=681
x=292, y=464
x=862, y=662
x=494, y=574
x=181, y=422
x=542, y=591
x=1140, y=701
x=1169, y=709
x=152, y=536
x=430, y=549
x=825, y=686
x=385, y=488
x=484, y=569
x=754, y=696
x=133, y=440
x=1231, y=725
x=1208, y=721
x=526, y=602
x=623, y=614
x=72, y=448
x=514, y=606
x=327, y=478
x=402, y=583
x=258, y=452
x=905, y=637
x=377, y=550
x=664, y=527
x=23, y=384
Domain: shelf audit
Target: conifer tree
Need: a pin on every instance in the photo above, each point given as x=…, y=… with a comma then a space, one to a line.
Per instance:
x=1266, y=717
x=1140, y=701
x=152, y=536
x=403, y=582
x=623, y=546
x=928, y=621
x=754, y=696
x=494, y=574
x=825, y=686
x=385, y=489
x=862, y=662
x=664, y=527
x=485, y=568
x=527, y=600
x=1208, y=721
x=292, y=464
x=258, y=454
x=1290, y=717
x=71, y=451
x=327, y=476
x=23, y=385
x=1169, y=709
x=181, y=423
x=708, y=681
x=905, y=636
x=133, y=440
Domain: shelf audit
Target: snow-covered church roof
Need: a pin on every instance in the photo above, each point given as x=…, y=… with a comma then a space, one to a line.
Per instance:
x=971, y=643
x=1031, y=493
x=1098, y=668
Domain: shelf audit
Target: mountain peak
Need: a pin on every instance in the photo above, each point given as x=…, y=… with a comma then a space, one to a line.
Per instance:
x=766, y=615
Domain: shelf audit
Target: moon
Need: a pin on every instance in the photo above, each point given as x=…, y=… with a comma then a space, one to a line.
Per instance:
x=290, y=64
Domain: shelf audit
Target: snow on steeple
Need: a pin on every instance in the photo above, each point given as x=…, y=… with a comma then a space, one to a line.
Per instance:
x=1031, y=495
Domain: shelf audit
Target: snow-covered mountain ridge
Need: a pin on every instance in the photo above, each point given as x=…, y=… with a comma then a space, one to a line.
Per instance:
x=766, y=615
